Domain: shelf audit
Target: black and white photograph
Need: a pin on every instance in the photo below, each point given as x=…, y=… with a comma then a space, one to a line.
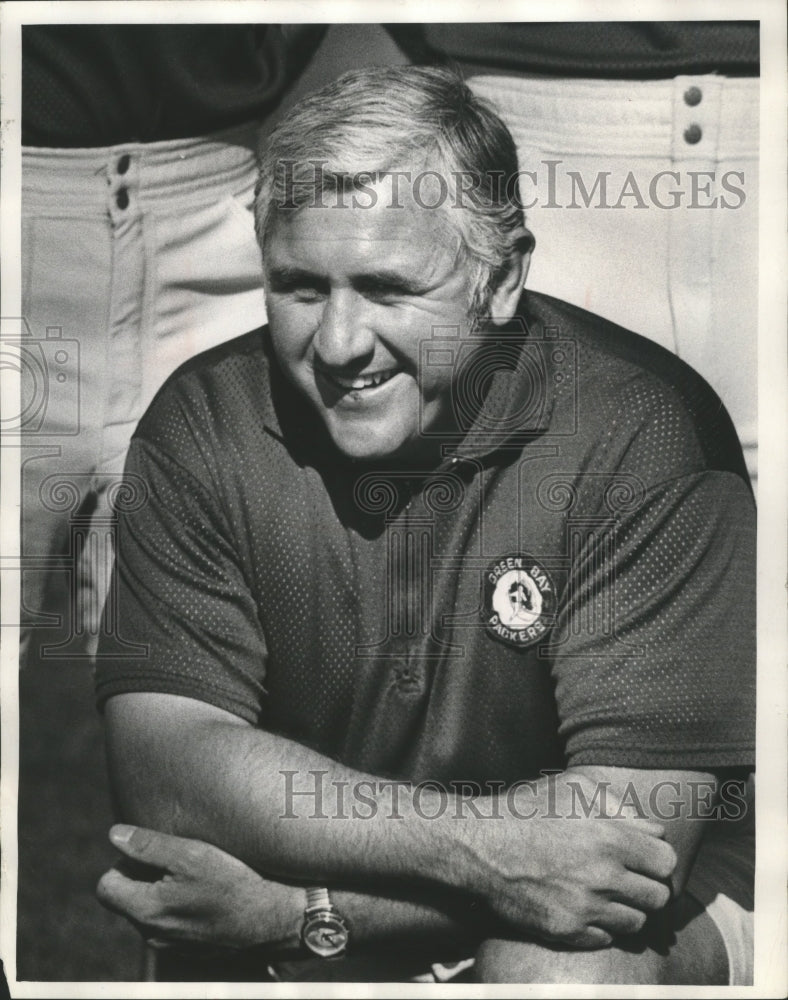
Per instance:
x=393, y=499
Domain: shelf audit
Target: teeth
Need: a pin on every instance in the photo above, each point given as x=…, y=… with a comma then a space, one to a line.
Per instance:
x=363, y=381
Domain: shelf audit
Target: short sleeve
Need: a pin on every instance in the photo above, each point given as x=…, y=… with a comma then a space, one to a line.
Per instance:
x=179, y=590
x=654, y=655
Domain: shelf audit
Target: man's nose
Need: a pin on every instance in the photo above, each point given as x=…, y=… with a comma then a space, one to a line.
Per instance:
x=344, y=337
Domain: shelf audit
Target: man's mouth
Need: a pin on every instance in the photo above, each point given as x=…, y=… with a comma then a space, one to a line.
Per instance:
x=360, y=382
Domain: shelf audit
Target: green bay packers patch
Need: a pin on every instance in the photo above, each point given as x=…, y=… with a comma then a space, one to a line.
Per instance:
x=519, y=600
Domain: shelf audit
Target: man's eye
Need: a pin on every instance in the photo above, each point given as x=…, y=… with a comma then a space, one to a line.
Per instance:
x=302, y=291
x=385, y=293
x=309, y=293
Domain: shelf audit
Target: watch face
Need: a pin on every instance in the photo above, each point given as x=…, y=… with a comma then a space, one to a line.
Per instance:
x=325, y=934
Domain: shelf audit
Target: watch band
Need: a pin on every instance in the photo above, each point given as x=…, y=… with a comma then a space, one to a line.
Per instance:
x=324, y=932
x=317, y=898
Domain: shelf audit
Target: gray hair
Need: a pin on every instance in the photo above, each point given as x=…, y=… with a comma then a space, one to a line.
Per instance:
x=372, y=122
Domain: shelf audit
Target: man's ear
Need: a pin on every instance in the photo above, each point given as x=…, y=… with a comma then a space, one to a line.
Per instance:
x=503, y=304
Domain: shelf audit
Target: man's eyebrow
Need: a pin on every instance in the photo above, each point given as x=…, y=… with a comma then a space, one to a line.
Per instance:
x=384, y=278
x=285, y=275
x=381, y=279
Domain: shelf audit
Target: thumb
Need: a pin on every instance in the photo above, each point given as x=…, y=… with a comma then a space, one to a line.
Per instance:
x=151, y=847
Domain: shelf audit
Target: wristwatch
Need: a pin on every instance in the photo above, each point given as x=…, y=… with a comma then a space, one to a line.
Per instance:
x=323, y=931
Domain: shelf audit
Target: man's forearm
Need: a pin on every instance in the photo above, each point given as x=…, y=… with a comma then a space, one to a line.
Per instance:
x=428, y=926
x=196, y=771
x=227, y=783
x=182, y=892
x=434, y=923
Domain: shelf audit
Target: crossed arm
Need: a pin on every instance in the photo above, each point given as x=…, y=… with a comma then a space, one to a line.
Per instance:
x=188, y=769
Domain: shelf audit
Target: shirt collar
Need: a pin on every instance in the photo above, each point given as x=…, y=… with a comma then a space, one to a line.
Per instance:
x=518, y=405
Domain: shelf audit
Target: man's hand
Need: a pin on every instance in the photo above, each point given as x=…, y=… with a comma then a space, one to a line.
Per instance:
x=545, y=868
x=181, y=893
x=565, y=876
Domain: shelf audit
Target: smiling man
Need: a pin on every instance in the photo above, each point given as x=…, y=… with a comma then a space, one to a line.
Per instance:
x=435, y=579
x=352, y=295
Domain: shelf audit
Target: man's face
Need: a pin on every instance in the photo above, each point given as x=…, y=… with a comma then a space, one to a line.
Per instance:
x=351, y=293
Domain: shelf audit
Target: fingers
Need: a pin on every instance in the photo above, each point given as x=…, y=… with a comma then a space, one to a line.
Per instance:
x=617, y=918
x=649, y=827
x=649, y=856
x=616, y=921
x=143, y=904
x=610, y=920
x=641, y=892
x=587, y=939
x=126, y=896
x=151, y=847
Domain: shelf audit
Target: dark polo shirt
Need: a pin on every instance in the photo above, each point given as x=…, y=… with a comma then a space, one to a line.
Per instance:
x=574, y=582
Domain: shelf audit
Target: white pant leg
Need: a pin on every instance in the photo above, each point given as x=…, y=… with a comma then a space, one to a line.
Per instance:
x=642, y=196
x=135, y=258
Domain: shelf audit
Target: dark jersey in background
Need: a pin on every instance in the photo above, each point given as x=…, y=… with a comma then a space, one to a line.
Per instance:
x=101, y=85
x=627, y=49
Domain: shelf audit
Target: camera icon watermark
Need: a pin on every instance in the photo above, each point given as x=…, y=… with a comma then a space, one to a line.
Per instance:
x=48, y=371
x=507, y=384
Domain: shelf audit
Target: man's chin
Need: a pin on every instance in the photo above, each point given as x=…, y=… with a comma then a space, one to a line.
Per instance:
x=368, y=447
x=366, y=451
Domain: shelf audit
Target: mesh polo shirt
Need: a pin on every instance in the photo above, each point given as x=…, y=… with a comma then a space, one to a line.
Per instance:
x=574, y=583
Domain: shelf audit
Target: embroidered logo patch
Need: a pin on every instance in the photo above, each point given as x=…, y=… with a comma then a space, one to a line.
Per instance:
x=519, y=600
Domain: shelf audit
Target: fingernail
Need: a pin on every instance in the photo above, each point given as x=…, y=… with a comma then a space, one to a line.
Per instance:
x=121, y=834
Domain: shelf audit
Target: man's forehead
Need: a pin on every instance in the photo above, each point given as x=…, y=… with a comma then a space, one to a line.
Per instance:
x=408, y=235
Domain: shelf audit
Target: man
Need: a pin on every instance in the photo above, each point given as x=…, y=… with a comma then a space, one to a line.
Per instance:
x=404, y=769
